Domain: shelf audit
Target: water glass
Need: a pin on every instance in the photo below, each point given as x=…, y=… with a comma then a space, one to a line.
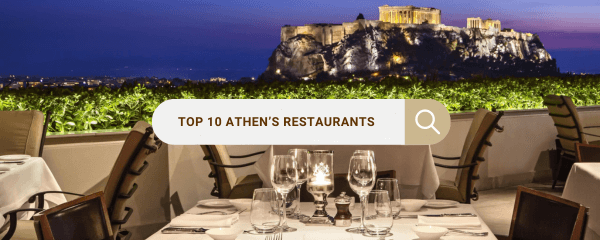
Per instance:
x=391, y=185
x=262, y=216
x=381, y=218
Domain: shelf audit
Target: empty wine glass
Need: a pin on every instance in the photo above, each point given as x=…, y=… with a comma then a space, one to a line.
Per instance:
x=284, y=175
x=262, y=216
x=369, y=153
x=380, y=216
x=391, y=185
x=361, y=177
x=301, y=156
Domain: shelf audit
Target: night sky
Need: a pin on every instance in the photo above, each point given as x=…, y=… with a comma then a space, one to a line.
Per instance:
x=201, y=39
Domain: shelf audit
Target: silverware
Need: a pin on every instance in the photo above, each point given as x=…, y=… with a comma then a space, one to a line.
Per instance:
x=451, y=215
x=220, y=212
x=17, y=162
x=177, y=230
x=407, y=216
x=480, y=234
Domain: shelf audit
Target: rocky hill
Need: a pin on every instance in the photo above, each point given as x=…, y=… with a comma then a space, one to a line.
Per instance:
x=429, y=51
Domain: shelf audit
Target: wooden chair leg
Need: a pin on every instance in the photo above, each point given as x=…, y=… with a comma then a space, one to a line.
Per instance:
x=557, y=170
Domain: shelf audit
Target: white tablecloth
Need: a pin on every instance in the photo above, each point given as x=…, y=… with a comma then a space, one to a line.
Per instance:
x=414, y=165
x=583, y=186
x=22, y=181
x=401, y=228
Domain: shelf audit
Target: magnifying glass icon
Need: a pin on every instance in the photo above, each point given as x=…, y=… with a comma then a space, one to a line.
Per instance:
x=428, y=126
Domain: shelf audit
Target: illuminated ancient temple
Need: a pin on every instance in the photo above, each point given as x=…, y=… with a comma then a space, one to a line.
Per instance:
x=409, y=14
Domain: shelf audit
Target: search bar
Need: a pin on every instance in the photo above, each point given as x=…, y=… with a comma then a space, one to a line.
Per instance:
x=301, y=121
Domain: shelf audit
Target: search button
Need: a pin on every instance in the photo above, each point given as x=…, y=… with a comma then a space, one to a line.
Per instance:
x=432, y=121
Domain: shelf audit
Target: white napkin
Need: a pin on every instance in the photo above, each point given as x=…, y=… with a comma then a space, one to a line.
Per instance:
x=6, y=168
x=450, y=222
x=328, y=236
x=191, y=220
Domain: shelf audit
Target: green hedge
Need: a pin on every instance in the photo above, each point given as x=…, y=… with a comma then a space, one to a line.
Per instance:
x=79, y=109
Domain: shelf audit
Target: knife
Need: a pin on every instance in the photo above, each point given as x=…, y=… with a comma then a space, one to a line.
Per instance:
x=18, y=162
x=176, y=230
x=451, y=215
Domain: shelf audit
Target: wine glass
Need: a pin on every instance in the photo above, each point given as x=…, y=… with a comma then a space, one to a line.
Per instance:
x=262, y=216
x=369, y=153
x=380, y=215
x=301, y=156
x=284, y=175
x=391, y=185
x=361, y=177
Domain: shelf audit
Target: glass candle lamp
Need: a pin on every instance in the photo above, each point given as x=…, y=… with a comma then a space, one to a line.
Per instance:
x=320, y=183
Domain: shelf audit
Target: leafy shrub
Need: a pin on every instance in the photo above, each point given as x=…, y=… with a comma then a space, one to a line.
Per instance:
x=103, y=108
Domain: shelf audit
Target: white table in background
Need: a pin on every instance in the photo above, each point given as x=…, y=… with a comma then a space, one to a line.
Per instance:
x=414, y=165
x=22, y=181
x=583, y=187
x=401, y=228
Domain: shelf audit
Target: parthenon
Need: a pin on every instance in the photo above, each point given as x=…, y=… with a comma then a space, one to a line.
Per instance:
x=484, y=24
x=409, y=14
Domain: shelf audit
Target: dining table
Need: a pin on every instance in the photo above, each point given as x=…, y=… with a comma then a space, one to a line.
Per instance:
x=401, y=229
x=582, y=187
x=19, y=181
x=413, y=164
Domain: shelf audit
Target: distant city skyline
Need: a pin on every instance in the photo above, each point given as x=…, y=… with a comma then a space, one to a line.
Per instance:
x=236, y=38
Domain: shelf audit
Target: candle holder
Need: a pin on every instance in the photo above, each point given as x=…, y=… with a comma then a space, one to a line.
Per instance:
x=320, y=184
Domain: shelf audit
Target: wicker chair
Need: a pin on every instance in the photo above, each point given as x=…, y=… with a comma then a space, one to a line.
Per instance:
x=227, y=184
x=130, y=164
x=542, y=216
x=23, y=132
x=570, y=131
x=462, y=189
x=587, y=152
x=82, y=218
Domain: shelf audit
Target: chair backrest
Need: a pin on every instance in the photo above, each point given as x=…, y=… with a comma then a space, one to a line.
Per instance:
x=130, y=163
x=44, y=132
x=340, y=183
x=82, y=218
x=542, y=216
x=566, y=119
x=477, y=141
x=587, y=152
x=21, y=132
x=225, y=178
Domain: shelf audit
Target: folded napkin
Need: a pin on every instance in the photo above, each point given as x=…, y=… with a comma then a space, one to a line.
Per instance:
x=191, y=220
x=320, y=235
x=6, y=168
x=450, y=222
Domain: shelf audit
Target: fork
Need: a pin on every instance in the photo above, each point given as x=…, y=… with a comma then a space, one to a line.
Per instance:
x=481, y=234
x=275, y=236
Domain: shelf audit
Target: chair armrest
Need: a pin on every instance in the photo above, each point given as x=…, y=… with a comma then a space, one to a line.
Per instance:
x=249, y=155
x=13, y=220
x=40, y=197
x=591, y=134
x=445, y=158
x=454, y=167
x=231, y=166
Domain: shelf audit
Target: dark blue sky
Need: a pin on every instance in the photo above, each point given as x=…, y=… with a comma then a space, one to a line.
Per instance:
x=230, y=38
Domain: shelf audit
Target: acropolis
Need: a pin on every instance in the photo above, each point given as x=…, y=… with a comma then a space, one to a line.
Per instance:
x=389, y=17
